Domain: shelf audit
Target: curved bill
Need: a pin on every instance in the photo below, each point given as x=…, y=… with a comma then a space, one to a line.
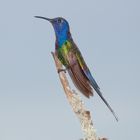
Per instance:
x=44, y=18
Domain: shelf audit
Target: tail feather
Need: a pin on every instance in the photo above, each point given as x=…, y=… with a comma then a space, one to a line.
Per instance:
x=80, y=81
x=97, y=89
x=100, y=94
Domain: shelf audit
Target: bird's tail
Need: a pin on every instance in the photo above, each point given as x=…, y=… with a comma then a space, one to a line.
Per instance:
x=107, y=104
x=97, y=89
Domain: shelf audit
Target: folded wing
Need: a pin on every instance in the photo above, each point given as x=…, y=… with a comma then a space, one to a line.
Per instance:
x=82, y=77
x=77, y=75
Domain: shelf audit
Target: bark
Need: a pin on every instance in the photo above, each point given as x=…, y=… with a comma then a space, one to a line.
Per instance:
x=77, y=105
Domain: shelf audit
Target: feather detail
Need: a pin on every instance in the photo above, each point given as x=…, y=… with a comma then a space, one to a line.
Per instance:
x=77, y=75
x=90, y=78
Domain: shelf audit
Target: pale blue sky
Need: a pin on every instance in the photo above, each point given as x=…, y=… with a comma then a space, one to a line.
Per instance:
x=32, y=103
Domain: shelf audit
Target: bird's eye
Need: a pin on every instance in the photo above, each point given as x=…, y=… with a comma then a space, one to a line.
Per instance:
x=59, y=20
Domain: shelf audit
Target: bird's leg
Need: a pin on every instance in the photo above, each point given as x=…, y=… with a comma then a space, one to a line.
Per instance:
x=66, y=68
x=60, y=70
x=63, y=69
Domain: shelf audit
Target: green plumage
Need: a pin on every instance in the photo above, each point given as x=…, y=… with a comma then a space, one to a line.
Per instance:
x=65, y=49
x=63, y=52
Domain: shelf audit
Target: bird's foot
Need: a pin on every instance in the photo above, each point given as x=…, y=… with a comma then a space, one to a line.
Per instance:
x=60, y=70
x=64, y=69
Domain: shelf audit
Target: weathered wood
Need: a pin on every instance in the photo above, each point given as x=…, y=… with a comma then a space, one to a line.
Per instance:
x=77, y=105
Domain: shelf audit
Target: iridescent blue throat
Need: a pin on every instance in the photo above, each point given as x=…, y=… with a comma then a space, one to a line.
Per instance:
x=61, y=38
x=62, y=33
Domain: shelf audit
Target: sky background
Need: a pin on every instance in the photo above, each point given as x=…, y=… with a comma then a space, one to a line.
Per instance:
x=32, y=102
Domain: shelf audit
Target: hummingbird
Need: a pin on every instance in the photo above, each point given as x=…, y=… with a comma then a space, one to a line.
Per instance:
x=70, y=56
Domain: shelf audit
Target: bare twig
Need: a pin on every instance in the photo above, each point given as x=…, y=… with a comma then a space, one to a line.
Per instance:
x=77, y=105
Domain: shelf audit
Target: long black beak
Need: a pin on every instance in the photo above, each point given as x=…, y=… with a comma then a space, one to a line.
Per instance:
x=50, y=20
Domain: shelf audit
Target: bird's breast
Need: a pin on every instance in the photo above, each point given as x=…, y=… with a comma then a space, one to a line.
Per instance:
x=63, y=52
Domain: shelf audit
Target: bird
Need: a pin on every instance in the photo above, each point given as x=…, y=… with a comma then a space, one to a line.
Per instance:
x=71, y=57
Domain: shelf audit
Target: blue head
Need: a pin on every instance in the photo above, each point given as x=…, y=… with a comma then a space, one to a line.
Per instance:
x=61, y=28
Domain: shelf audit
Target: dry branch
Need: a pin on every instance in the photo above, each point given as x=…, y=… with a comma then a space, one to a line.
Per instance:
x=77, y=105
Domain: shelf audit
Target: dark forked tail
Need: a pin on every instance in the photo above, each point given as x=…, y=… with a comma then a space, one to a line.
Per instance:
x=97, y=89
x=107, y=104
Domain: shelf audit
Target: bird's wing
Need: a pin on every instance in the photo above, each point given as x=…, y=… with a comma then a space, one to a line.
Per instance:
x=77, y=75
x=87, y=75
